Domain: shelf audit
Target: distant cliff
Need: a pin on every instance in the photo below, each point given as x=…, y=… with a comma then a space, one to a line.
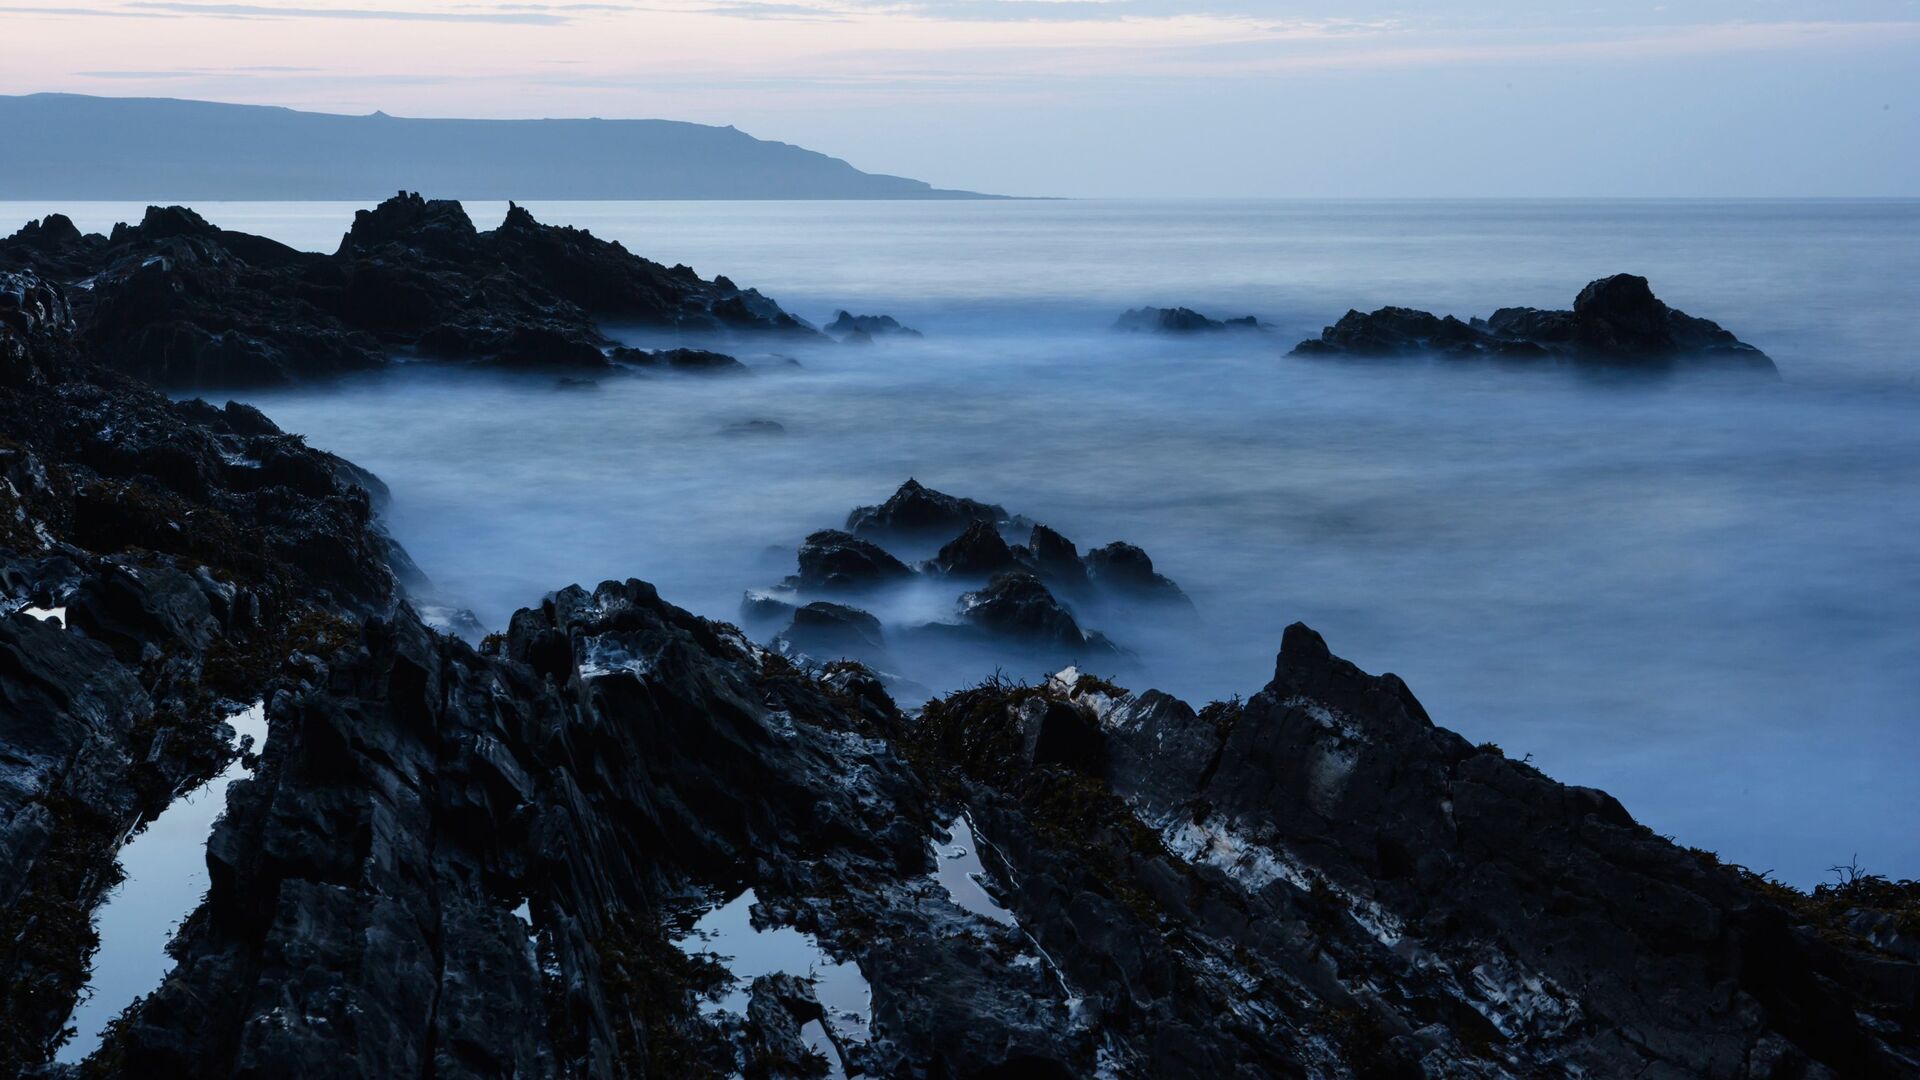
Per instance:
x=69, y=146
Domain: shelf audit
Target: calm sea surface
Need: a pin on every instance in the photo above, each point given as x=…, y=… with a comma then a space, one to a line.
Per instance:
x=1701, y=594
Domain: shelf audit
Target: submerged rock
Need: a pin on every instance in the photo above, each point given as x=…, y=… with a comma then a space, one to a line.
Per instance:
x=1178, y=321
x=1615, y=320
x=696, y=361
x=754, y=427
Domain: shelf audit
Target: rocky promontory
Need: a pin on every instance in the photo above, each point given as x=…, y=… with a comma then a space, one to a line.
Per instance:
x=184, y=304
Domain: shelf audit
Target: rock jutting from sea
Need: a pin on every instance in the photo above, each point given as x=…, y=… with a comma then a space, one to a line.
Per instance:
x=1615, y=322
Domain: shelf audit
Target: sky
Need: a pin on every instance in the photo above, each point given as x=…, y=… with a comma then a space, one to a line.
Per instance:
x=1103, y=98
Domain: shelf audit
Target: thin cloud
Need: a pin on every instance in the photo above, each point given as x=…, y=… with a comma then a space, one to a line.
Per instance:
x=90, y=13
x=259, y=11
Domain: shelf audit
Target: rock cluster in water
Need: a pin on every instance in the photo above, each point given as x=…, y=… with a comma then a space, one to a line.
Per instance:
x=863, y=329
x=1178, y=320
x=1022, y=595
x=186, y=304
x=1615, y=320
x=467, y=861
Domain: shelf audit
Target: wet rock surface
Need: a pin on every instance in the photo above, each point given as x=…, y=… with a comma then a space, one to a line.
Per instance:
x=185, y=304
x=188, y=548
x=1615, y=321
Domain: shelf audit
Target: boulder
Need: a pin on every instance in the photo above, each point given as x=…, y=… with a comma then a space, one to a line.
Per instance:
x=1056, y=560
x=919, y=511
x=1125, y=568
x=831, y=559
x=1016, y=605
x=827, y=631
x=978, y=552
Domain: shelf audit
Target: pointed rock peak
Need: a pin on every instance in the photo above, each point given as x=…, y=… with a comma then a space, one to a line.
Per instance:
x=1301, y=644
x=1617, y=293
x=407, y=217
x=164, y=221
x=51, y=230
x=518, y=217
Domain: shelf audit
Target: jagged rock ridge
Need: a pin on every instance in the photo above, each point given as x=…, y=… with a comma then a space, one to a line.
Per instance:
x=185, y=304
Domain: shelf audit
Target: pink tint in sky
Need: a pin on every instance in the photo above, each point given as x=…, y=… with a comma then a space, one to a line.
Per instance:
x=1100, y=97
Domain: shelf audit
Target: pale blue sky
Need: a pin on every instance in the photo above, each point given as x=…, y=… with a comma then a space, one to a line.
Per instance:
x=1094, y=97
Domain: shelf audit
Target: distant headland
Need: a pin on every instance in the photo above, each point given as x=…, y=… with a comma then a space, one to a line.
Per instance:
x=71, y=146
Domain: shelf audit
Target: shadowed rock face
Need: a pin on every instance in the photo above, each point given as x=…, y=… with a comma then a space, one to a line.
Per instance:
x=834, y=631
x=1178, y=320
x=978, y=552
x=919, y=511
x=1615, y=320
x=183, y=303
x=191, y=548
x=831, y=559
x=1017, y=606
x=850, y=327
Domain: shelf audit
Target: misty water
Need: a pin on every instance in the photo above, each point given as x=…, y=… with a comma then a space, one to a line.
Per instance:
x=1700, y=593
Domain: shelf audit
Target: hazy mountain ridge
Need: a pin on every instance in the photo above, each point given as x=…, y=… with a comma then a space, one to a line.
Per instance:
x=70, y=146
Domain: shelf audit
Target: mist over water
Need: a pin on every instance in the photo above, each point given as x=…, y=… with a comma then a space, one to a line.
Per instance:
x=1700, y=593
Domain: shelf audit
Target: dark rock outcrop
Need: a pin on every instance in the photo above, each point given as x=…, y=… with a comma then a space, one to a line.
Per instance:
x=1178, y=321
x=917, y=511
x=183, y=303
x=1126, y=569
x=828, y=631
x=1615, y=320
x=978, y=552
x=850, y=327
x=1017, y=606
x=1057, y=560
x=696, y=361
x=191, y=548
x=831, y=559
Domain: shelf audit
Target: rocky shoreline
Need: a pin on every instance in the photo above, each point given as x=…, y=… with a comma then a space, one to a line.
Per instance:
x=484, y=860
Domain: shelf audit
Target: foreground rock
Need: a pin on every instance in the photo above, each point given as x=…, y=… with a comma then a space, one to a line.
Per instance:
x=1615, y=320
x=188, y=549
x=185, y=304
x=1153, y=320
